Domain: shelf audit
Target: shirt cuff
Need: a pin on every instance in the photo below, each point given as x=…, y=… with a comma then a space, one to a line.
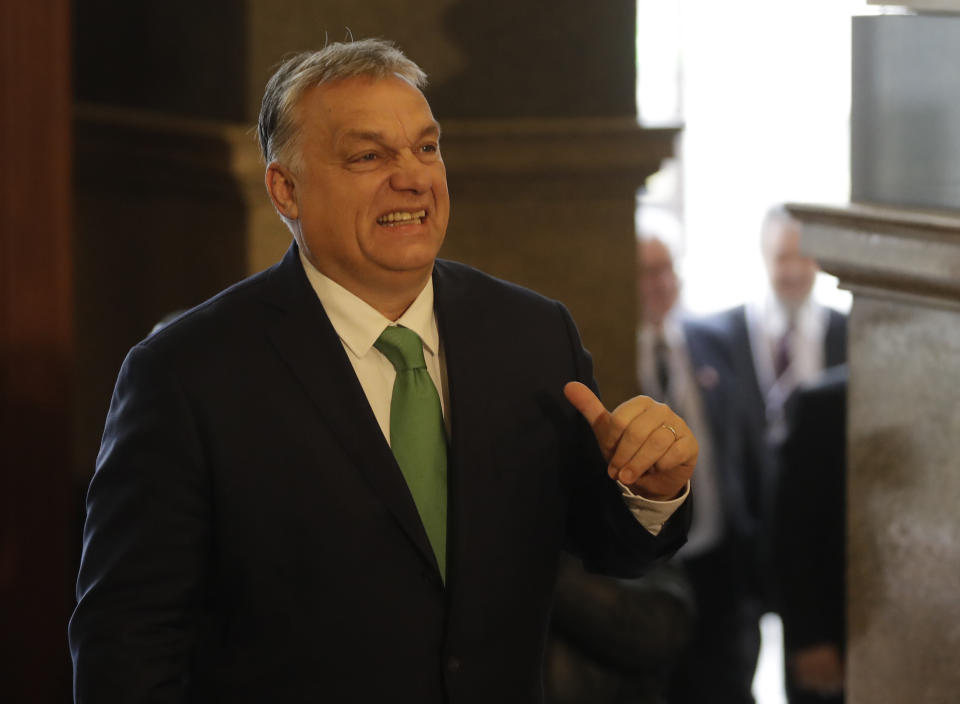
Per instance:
x=649, y=513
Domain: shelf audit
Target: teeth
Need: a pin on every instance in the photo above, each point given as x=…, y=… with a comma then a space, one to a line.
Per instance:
x=402, y=216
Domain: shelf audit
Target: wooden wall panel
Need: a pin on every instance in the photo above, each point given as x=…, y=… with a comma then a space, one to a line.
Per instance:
x=37, y=507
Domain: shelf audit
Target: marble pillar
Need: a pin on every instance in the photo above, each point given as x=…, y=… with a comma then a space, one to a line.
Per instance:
x=903, y=481
x=897, y=248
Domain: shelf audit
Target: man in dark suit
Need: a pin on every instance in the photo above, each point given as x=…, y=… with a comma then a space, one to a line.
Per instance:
x=764, y=349
x=770, y=346
x=786, y=338
x=677, y=364
x=809, y=555
x=294, y=503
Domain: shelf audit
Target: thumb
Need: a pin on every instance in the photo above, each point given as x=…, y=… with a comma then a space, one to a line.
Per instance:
x=597, y=415
x=585, y=401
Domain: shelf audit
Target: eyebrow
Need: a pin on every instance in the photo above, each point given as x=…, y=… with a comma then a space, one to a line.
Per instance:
x=373, y=136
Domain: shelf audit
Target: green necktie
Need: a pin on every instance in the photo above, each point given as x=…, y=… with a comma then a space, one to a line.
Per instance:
x=417, y=435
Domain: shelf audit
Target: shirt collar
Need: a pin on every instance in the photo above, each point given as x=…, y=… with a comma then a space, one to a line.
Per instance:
x=358, y=324
x=776, y=318
x=671, y=331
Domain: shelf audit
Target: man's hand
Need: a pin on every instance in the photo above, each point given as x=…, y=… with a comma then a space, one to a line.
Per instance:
x=818, y=668
x=647, y=446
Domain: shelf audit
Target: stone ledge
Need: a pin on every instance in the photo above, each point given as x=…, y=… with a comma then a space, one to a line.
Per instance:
x=886, y=252
x=937, y=6
x=131, y=148
x=557, y=146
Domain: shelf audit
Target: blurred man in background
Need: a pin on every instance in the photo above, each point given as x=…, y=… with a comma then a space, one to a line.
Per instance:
x=773, y=344
x=785, y=337
x=682, y=362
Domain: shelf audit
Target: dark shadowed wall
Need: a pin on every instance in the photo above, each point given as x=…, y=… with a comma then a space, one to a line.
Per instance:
x=37, y=353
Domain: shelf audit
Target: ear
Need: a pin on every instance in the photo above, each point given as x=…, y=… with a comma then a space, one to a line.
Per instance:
x=282, y=189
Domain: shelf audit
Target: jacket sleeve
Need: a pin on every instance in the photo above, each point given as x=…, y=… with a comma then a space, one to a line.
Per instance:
x=146, y=544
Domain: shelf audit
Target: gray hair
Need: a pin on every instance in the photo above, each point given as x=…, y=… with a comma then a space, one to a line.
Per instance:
x=655, y=222
x=376, y=58
x=776, y=217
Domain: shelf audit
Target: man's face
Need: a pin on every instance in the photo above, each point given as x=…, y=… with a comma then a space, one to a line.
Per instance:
x=659, y=286
x=371, y=188
x=791, y=273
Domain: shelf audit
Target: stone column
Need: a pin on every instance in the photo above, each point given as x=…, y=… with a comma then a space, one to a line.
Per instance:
x=898, y=250
x=903, y=487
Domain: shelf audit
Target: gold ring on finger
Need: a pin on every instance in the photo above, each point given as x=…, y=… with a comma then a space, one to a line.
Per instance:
x=672, y=430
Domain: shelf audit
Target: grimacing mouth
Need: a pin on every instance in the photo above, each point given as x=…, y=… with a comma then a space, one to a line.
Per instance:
x=402, y=217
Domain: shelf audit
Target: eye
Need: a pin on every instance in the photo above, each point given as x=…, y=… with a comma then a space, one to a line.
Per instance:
x=365, y=160
x=430, y=149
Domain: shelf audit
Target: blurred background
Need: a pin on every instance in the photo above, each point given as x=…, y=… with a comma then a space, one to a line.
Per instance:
x=133, y=188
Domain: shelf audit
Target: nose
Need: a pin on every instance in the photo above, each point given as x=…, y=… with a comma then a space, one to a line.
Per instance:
x=410, y=174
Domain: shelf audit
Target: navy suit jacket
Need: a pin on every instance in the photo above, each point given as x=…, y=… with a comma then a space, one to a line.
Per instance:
x=809, y=544
x=727, y=346
x=250, y=538
x=735, y=458
x=733, y=324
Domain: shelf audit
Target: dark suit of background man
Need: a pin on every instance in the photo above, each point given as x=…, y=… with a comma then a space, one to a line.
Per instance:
x=677, y=364
x=774, y=344
x=250, y=536
x=784, y=338
x=809, y=553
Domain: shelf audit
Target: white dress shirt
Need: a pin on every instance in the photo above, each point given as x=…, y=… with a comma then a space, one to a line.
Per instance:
x=767, y=321
x=685, y=397
x=359, y=325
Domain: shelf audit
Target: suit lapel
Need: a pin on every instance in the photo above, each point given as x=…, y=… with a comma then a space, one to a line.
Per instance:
x=709, y=378
x=305, y=339
x=745, y=371
x=468, y=392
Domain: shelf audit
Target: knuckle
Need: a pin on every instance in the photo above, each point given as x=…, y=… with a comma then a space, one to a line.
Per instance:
x=640, y=465
x=635, y=435
x=661, y=410
x=616, y=425
x=659, y=446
